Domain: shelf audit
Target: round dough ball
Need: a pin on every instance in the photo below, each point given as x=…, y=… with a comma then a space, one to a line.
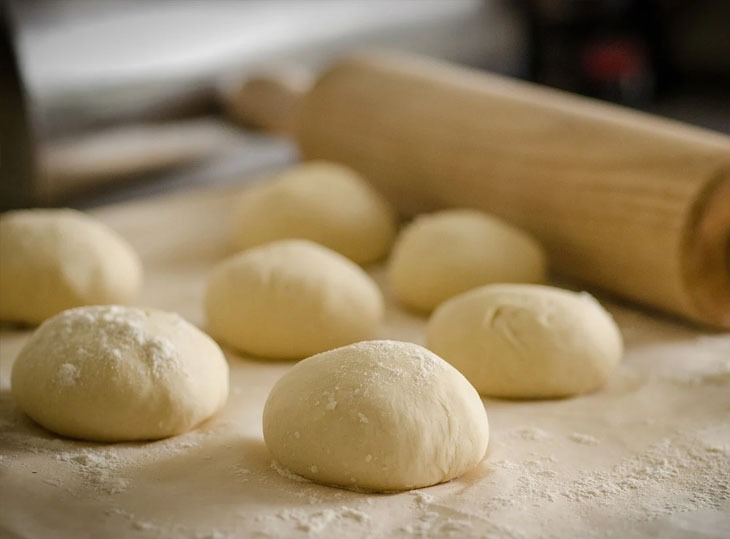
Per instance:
x=527, y=341
x=443, y=254
x=319, y=201
x=376, y=415
x=112, y=374
x=51, y=260
x=291, y=299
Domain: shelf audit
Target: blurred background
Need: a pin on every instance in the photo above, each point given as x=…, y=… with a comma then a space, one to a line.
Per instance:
x=112, y=99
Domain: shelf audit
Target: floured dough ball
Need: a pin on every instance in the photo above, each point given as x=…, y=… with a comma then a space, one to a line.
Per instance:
x=376, y=415
x=291, y=299
x=319, y=201
x=443, y=254
x=51, y=260
x=527, y=341
x=111, y=373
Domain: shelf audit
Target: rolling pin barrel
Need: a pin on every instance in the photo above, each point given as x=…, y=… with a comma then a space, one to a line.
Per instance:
x=624, y=201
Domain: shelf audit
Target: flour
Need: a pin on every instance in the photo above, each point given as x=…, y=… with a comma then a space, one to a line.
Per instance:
x=115, y=330
x=716, y=375
x=123, y=328
x=53, y=482
x=215, y=534
x=532, y=434
x=67, y=375
x=98, y=467
x=684, y=467
x=423, y=499
x=427, y=365
x=243, y=473
x=683, y=473
x=144, y=526
x=432, y=524
x=282, y=471
x=315, y=523
x=585, y=439
x=162, y=355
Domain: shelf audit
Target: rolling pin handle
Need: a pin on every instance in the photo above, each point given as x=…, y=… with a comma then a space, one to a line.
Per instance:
x=268, y=100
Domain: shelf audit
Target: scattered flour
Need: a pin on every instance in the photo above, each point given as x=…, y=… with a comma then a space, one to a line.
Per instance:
x=423, y=499
x=718, y=375
x=585, y=439
x=144, y=525
x=284, y=472
x=215, y=534
x=684, y=468
x=98, y=468
x=532, y=434
x=242, y=472
x=316, y=523
x=432, y=524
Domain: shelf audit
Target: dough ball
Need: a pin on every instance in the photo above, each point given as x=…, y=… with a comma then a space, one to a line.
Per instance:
x=113, y=374
x=319, y=201
x=51, y=260
x=291, y=299
x=527, y=341
x=443, y=254
x=376, y=415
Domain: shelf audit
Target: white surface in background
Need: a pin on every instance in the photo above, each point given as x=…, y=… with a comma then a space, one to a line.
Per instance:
x=67, y=45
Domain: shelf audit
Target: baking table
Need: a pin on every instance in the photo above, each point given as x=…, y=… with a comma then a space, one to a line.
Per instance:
x=646, y=456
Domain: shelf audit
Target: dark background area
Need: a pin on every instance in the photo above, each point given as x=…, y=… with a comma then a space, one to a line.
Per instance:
x=671, y=57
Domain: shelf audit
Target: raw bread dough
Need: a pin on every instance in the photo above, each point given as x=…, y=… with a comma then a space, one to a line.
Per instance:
x=376, y=415
x=112, y=373
x=291, y=299
x=51, y=260
x=527, y=341
x=320, y=201
x=443, y=254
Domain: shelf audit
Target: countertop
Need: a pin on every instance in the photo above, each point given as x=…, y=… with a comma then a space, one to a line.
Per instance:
x=648, y=455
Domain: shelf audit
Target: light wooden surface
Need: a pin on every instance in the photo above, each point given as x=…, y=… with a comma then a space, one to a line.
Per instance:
x=624, y=201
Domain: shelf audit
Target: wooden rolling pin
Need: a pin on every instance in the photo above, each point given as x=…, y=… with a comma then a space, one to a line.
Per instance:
x=633, y=204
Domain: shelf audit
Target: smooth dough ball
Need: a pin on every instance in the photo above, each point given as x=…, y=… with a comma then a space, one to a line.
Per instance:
x=443, y=254
x=291, y=299
x=51, y=260
x=319, y=201
x=376, y=415
x=112, y=374
x=527, y=341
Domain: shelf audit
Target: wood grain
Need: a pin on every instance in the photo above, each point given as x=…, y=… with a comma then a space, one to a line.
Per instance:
x=624, y=201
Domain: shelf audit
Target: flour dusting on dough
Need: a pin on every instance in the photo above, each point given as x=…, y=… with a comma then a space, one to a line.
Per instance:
x=67, y=375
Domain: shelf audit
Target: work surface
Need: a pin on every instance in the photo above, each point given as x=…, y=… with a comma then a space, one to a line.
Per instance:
x=648, y=455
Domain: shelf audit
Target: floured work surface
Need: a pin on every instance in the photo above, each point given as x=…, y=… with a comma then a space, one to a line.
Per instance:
x=648, y=455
